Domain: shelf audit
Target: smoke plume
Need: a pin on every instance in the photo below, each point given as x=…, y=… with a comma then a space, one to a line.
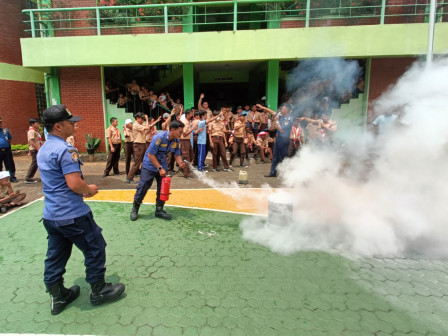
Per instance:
x=372, y=196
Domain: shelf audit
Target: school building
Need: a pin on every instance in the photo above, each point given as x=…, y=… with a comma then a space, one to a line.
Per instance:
x=63, y=51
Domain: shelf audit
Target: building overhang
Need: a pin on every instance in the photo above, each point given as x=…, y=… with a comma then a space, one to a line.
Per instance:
x=392, y=40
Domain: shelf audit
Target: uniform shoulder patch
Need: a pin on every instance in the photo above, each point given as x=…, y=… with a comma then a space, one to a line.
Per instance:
x=174, y=145
x=158, y=141
x=74, y=154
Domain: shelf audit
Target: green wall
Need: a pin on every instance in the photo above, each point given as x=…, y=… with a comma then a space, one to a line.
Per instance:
x=255, y=45
x=19, y=73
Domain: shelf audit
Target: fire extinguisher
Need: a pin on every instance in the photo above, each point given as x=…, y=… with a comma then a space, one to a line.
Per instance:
x=165, y=189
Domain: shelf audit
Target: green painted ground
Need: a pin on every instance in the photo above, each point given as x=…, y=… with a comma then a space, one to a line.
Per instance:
x=182, y=282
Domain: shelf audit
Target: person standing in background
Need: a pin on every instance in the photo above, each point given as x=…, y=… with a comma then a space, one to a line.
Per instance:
x=6, y=153
x=128, y=144
x=113, y=137
x=139, y=147
x=34, y=144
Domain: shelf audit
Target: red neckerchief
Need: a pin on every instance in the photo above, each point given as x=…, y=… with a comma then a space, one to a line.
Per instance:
x=296, y=134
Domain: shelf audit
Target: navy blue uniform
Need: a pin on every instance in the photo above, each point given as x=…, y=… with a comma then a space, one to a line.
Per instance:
x=6, y=153
x=67, y=219
x=160, y=146
x=281, y=142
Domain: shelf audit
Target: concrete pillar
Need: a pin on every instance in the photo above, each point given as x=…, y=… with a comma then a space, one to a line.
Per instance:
x=272, y=73
x=188, y=78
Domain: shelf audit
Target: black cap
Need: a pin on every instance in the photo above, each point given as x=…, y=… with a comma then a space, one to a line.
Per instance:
x=56, y=113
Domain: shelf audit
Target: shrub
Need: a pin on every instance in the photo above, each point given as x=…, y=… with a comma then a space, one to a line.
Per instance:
x=19, y=147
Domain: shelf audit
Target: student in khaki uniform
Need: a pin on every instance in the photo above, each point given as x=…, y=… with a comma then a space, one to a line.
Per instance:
x=139, y=147
x=251, y=143
x=250, y=118
x=194, y=138
x=128, y=143
x=34, y=143
x=165, y=125
x=113, y=137
x=151, y=131
x=264, y=120
x=295, y=138
x=218, y=141
x=263, y=141
x=203, y=105
x=258, y=118
x=185, y=140
x=239, y=131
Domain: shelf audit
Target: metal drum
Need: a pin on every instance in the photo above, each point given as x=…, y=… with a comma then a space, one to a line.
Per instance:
x=280, y=210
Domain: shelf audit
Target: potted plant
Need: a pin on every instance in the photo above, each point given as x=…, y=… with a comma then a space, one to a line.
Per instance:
x=91, y=145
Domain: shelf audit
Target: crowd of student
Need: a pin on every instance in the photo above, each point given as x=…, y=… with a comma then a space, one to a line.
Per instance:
x=267, y=135
x=136, y=98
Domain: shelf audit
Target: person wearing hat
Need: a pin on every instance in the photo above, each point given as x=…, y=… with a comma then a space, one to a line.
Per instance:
x=155, y=167
x=113, y=137
x=67, y=219
x=128, y=143
x=9, y=198
x=34, y=144
x=6, y=153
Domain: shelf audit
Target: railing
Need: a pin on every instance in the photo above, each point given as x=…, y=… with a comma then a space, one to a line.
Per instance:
x=225, y=15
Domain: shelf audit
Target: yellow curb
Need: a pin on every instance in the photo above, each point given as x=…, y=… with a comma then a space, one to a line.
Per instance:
x=250, y=200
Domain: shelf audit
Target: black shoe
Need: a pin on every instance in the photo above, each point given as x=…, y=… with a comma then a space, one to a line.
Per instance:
x=270, y=175
x=130, y=181
x=61, y=297
x=105, y=292
x=30, y=181
x=160, y=213
x=134, y=211
x=119, y=173
x=105, y=175
x=13, y=180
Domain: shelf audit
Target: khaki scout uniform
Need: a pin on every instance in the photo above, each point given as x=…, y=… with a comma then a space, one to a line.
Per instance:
x=114, y=136
x=139, y=147
x=33, y=135
x=238, y=141
x=217, y=131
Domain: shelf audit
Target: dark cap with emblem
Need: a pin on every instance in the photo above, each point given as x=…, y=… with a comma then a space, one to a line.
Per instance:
x=57, y=113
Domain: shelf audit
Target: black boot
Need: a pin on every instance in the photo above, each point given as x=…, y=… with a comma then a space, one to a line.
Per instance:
x=134, y=211
x=61, y=296
x=160, y=213
x=105, y=292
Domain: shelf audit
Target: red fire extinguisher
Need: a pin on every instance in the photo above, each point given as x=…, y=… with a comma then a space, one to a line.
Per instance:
x=165, y=189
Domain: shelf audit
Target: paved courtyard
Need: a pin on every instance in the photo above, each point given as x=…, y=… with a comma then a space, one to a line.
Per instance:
x=196, y=275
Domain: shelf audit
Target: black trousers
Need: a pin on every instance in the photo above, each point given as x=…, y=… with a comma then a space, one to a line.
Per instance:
x=87, y=236
x=112, y=160
x=6, y=157
x=33, y=167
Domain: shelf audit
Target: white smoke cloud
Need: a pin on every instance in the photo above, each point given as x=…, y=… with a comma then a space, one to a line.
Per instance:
x=374, y=196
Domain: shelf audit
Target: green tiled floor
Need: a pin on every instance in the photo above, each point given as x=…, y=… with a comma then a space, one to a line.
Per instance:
x=181, y=282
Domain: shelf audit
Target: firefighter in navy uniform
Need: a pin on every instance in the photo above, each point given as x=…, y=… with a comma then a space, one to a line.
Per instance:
x=283, y=123
x=67, y=219
x=155, y=167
